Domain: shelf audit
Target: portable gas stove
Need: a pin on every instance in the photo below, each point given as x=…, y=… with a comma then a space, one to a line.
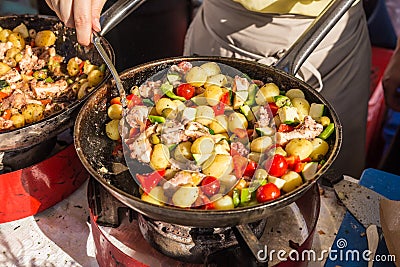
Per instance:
x=125, y=238
x=35, y=178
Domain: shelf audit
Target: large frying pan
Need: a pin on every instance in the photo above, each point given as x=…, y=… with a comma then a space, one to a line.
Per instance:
x=95, y=149
x=67, y=46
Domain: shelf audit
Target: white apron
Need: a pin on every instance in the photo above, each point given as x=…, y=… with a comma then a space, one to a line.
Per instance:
x=225, y=28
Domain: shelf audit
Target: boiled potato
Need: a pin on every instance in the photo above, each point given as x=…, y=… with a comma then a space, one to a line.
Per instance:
x=260, y=174
x=295, y=93
x=112, y=130
x=292, y=181
x=160, y=156
x=221, y=166
x=205, y=115
x=183, y=152
x=229, y=181
x=73, y=66
x=266, y=93
x=222, y=202
x=196, y=76
x=185, y=196
x=180, y=106
x=22, y=29
x=4, y=68
x=300, y=147
x=33, y=112
x=222, y=147
x=45, y=38
x=18, y=120
x=155, y=196
x=321, y=147
x=213, y=94
x=202, y=145
x=302, y=106
x=95, y=77
x=279, y=182
x=261, y=144
x=254, y=156
x=115, y=112
x=279, y=150
x=218, y=80
x=4, y=35
x=12, y=52
x=237, y=120
x=17, y=40
x=211, y=68
x=164, y=103
x=220, y=124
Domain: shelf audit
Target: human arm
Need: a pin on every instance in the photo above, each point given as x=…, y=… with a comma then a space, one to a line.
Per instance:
x=391, y=80
x=83, y=15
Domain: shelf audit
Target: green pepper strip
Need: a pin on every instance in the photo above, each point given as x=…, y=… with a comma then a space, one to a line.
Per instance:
x=328, y=131
x=158, y=119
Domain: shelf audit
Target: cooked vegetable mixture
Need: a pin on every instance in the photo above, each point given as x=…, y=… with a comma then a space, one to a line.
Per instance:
x=219, y=142
x=35, y=81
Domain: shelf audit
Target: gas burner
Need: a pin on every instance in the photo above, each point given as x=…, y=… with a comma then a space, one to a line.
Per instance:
x=125, y=237
x=36, y=178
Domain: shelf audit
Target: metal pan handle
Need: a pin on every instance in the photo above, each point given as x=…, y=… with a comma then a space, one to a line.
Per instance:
x=309, y=40
x=116, y=13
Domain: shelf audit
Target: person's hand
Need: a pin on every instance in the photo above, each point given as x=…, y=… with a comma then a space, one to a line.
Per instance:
x=391, y=80
x=83, y=15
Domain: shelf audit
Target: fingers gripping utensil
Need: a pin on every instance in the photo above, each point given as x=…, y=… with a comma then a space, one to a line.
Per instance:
x=108, y=20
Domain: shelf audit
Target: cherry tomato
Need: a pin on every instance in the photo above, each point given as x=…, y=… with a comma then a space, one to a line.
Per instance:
x=210, y=185
x=185, y=90
x=292, y=161
x=116, y=100
x=267, y=192
x=226, y=98
x=250, y=169
x=273, y=107
x=133, y=100
x=277, y=165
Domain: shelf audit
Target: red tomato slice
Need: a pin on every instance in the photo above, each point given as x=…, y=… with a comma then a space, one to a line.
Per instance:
x=298, y=167
x=284, y=128
x=150, y=180
x=219, y=109
x=250, y=169
x=276, y=165
x=7, y=114
x=3, y=95
x=185, y=90
x=292, y=161
x=267, y=192
x=210, y=185
x=226, y=98
x=133, y=100
x=116, y=100
x=274, y=108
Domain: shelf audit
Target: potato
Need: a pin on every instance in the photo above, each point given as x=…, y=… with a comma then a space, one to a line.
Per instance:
x=279, y=182
x=160, y=156
x=222, y=147
x=229, y=181
x=164, y=103
x=112, y=130
x=4, y=35
x=266, y=93
x=155, y=196
x=18, y=120
x=292, y=181
x=302, y=106
x=196, y=76
x=220, y=124
x=73, y=66
x=95, y=77
x=295, y=93
x=218, y=80
x=179, y=105
x=203, y=145
x=237, y=120
x=17, y=40
x=45, y=38
x=300, y=147
x=33, y=112
x=115, y=112
x=260, y=174
x=261, y=144
x=213, y=94
x=22, y=29
x=183, y=152
x=185, y=196
x=12, y=52
x=205, y=115
x=279, y=150
x=254, y=156
x=223, y=202
x=321, y=147
x=211, y=68
x=4, y=68
x=221, y=166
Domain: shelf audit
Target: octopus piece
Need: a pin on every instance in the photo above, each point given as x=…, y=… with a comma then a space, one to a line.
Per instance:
x=141, y=148
x=3, y=49
x=263, y=119
x=182, y=67
x=240, y=84
x=30, y=61
x=16, y=100
x=308, y=129
x=172, y=132
x=183, y=178
x=5, y=124
x=11, y=76
x=186, y=165
x=137, y=116
x=150, y=88
x=240, y=148
x=195, y=130
x=44, y=89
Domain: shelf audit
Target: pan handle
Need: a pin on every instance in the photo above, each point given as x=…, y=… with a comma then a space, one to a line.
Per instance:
x=297, y=54
x=116, y=13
